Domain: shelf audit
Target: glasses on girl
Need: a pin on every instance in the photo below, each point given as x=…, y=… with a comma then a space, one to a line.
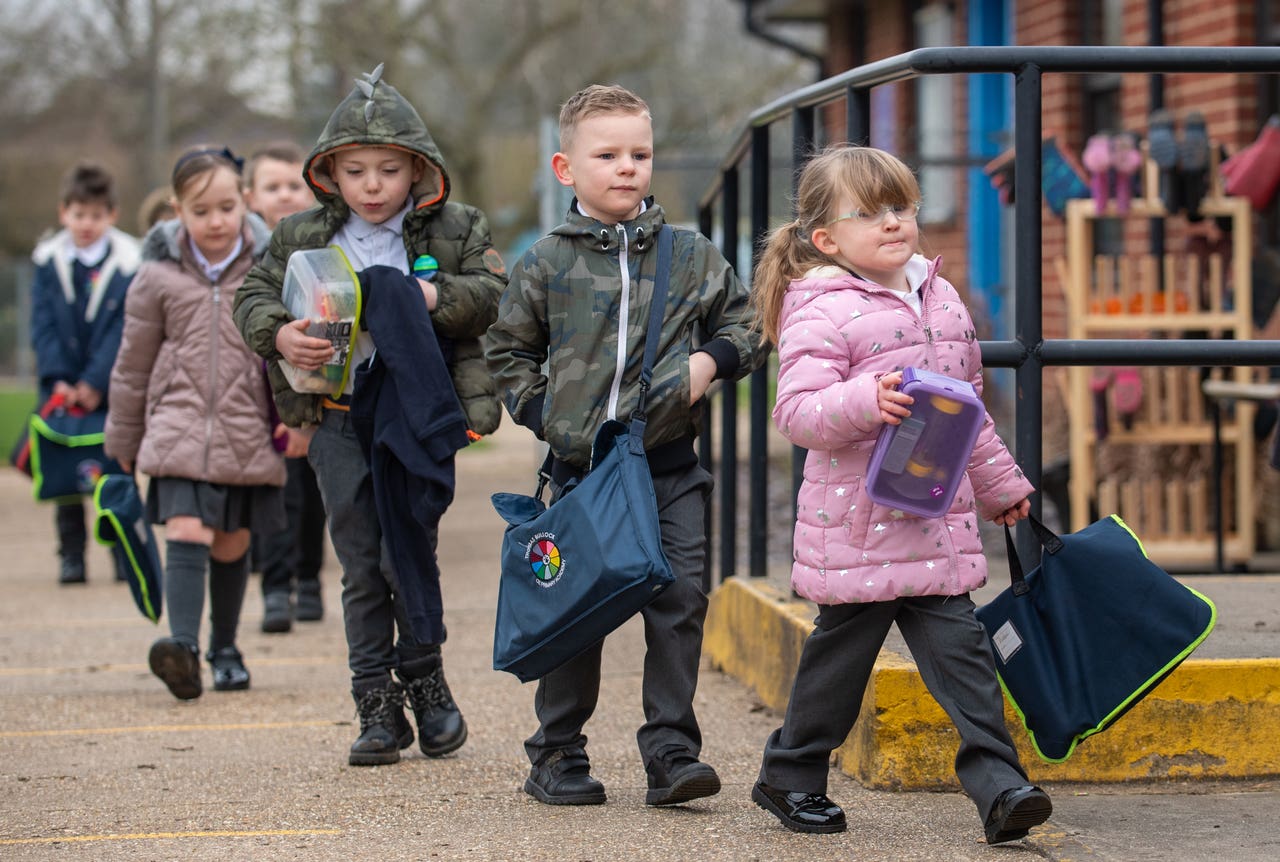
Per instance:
x=903, y=212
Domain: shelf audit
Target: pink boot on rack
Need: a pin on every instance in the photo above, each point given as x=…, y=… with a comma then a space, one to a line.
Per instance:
x=1097, y=161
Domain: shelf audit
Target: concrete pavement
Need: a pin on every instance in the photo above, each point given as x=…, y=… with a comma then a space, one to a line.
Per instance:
x=98, y=761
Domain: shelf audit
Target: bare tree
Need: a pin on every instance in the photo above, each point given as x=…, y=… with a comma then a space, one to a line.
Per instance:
x=131, y=80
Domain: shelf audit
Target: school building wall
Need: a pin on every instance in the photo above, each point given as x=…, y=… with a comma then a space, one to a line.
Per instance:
x=1071, y=103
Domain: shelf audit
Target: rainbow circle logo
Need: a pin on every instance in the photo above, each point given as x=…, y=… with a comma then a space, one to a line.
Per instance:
x=545, y=560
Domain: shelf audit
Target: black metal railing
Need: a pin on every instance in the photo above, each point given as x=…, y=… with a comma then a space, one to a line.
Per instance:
x=1028, y=353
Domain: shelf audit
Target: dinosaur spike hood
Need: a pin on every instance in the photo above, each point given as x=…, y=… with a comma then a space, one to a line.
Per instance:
x=374, y=114
x=469, y=281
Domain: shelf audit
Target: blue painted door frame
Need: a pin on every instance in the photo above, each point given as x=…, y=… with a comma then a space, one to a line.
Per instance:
x=990, y=102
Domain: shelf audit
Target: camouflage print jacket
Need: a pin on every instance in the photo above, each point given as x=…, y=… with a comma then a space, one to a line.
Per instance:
x=572, y=295
x=471, y=276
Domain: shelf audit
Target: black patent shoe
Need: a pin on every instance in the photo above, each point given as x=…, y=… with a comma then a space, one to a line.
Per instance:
x=178, y=666
x=1015, y=812
x=679, y=777
x=72, y=570
x=798, y=811
x=229, y=672
x=564, y=778
x=384, y=730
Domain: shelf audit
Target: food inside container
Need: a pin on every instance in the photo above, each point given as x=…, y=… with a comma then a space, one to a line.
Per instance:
x=321, y=287
x=918, y=465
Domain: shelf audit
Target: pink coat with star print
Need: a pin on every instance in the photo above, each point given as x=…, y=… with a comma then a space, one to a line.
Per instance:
x=839, y=334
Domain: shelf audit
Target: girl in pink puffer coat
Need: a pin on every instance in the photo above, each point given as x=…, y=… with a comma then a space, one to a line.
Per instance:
x=849, y=302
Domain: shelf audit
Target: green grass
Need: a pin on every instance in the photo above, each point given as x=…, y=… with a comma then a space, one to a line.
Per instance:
x=15, y=407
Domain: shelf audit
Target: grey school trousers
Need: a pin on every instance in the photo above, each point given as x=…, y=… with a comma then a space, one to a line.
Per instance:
x=372, y=610
x=950, y=648
x=567, y=696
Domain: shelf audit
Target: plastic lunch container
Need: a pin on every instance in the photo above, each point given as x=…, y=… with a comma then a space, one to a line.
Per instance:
x=917, y=466
x=320, y=286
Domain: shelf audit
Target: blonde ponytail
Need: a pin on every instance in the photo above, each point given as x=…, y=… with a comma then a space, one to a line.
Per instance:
x=787, y=254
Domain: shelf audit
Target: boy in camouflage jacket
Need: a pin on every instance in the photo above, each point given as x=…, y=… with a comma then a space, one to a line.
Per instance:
x=579, y=303
x=373, y=142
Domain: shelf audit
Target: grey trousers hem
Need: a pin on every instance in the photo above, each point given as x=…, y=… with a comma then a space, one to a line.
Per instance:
x=953, y=655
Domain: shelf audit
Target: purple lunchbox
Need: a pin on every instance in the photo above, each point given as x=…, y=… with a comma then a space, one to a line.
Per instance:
x=917, y=465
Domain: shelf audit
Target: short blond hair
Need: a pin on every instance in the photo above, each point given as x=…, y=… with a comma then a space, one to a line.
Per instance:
x=594, y=100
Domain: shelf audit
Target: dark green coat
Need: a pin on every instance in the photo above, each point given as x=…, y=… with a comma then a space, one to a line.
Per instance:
x=471, y=277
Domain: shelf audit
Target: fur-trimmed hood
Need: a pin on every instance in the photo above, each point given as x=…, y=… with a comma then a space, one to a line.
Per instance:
x=161, y=242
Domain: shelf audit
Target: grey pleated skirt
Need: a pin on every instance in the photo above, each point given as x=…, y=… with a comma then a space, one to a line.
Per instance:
x=228, y=508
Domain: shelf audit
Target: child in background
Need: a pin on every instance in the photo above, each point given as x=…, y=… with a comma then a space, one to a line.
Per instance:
x=274, y=187
x=289, y=560
x=383, y=192
x=189, y=409
x=155, y=207
x=850, y=303
x=595, y=268
x=77, y=312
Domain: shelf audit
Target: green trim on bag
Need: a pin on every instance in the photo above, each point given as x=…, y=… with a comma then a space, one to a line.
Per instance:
x=355, y=322
x=1125, y=526
x=149, y=610
x=37, y=425
x=1139, y=691
x=71, y=440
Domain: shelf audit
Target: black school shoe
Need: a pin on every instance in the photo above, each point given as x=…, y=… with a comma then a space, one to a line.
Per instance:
x=384, y=730
x=677, y=776
x=71, y=570
x=799, y=811
x=309, y=605
x=178, y=666
x=277, y=612
x=1015, y=812
x=229, y=672
x=441, y=727
x=564, y=778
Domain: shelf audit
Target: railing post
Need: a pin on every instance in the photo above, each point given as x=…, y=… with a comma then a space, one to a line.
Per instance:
x=857, y=115
x=802, y=140
x=728, y=478
x=758, y=525
x=1028, y=326
x=706, y=445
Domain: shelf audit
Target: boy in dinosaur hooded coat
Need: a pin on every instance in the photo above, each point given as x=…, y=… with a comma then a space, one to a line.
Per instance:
x=383, y=198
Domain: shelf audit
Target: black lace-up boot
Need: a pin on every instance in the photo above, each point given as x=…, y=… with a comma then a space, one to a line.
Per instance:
x=383, y=728
x=441, y=728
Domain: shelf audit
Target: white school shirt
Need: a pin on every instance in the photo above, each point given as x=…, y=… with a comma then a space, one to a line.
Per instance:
x=91, y=254
x=214, y=271
x=366, y=244
x=917, y=270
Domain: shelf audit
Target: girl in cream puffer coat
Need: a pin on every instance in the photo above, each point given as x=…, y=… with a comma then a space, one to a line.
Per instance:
x=190, y=408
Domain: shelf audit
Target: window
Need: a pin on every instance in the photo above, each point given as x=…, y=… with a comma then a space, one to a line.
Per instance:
x=935, y=118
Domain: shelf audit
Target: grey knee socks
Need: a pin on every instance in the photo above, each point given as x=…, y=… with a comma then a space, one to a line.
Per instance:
x=184, y=575
x=227, y=582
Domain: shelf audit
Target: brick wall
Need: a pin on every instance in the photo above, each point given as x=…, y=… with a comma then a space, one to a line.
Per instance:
x=1227, y=101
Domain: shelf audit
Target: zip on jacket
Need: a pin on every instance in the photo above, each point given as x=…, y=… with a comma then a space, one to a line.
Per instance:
x=624, y=311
